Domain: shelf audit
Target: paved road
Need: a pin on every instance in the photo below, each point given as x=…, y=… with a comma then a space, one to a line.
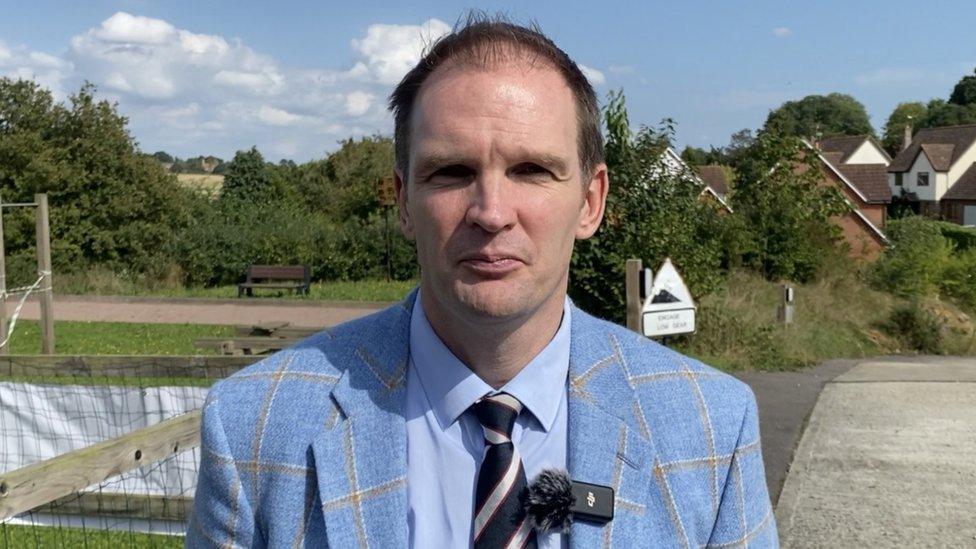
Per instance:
x=786, y=400
x=316, y=314
x=888, y=459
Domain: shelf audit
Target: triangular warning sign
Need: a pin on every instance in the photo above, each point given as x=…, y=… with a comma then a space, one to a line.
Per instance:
x=669, y=308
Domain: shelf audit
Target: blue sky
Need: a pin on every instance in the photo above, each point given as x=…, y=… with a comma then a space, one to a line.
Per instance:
x=295, y=77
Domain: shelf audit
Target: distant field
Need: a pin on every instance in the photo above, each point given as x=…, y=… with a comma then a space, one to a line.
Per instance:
x=207, y=183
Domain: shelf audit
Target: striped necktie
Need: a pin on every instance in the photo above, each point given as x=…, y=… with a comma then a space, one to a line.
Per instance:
x=499, y=519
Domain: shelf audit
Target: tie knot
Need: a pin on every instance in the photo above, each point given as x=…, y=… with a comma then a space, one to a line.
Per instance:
x=497, y=414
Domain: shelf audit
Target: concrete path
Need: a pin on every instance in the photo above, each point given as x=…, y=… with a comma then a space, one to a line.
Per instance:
x=888, y=459
x=315, y=314
x=785, y=401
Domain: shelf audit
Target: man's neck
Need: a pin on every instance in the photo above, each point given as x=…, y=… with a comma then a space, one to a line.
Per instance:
x=496, y=351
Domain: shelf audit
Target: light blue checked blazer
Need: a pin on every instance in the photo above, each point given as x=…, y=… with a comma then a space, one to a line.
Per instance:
x=307, y=448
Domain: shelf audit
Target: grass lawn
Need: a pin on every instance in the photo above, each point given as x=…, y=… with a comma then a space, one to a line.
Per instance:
x=100, y=282
x=16, y=537
x=116, y=338
x=838, y=316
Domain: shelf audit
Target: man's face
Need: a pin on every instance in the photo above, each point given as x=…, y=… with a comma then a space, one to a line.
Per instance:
x=495, y=196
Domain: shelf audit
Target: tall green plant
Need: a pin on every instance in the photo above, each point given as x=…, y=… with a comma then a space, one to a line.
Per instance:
x=786, y=208
x=915, y=262
x=654, y=210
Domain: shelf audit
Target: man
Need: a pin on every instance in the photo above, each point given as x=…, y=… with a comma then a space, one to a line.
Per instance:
x=423, y=424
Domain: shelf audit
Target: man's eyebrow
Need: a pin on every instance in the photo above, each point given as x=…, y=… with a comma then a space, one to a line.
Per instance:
x=431, y=161
x=554, y=162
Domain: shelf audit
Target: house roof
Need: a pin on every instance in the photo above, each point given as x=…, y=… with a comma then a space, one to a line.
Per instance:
x=943, y=146
x=870, y=179
x=716, y=177
x=965, y=186
x=939, y=155
x=846, y=145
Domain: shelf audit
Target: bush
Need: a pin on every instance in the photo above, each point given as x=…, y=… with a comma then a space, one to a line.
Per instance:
x=228, y=236
x=915, y=262
x=958, y=279
x=917, y=328
x=964, y=238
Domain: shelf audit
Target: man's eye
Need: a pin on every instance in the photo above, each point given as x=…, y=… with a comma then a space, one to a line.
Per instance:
x=530, y=169
x=452, y=173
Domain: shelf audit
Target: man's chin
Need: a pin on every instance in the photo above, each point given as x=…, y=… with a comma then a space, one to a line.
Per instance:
x=493, y=300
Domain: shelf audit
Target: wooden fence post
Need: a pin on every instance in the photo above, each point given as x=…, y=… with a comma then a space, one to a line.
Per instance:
x=3, y=288
x=633, y=295
x=44, y=270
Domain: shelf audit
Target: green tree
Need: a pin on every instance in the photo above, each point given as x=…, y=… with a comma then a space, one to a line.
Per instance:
x=345, y=182
x=248, y=178
x=653, y=212
x=819, y=116
x=110, y=204
x=964, y=93
x=940, y=113
x=914, y=113
x=163, y=156
x=785, y=208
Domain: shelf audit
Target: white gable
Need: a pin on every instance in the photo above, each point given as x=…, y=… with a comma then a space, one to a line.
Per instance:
x=868, y=153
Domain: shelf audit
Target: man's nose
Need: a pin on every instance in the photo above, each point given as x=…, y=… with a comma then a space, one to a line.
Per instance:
x=492, y=203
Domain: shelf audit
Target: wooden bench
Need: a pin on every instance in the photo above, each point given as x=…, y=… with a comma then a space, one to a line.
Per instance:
x=256, y=339
x=280, y=277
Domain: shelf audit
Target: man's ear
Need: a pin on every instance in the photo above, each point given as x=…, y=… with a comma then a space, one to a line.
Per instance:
x=400, y=186
x=594, y=202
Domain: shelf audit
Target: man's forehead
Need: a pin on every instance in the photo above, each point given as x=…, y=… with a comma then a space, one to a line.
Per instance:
x=518, y=98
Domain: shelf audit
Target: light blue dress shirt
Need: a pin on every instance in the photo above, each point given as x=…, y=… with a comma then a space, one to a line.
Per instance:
x=445, y=442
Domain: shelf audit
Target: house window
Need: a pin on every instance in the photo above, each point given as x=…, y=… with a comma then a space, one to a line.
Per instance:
x=923, y=179
x=898, y=179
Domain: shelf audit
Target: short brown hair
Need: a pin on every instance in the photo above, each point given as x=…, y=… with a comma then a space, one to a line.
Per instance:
x=479, y=41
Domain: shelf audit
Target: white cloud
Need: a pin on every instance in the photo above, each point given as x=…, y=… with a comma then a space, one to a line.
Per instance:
x=123, y=28
x=268, y=82
x=47, y=70
x=620, y=70
x=357, y=103
x=782, y=32
x=595, y=77
x=389, y=51
x=152, y=59
x=278, y=117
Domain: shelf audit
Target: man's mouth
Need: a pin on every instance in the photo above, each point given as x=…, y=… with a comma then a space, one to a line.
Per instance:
x=491, y=265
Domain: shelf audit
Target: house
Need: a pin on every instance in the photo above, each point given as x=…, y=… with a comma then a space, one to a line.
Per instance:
x=674, y=164
x=936, y=173
x=716, y=180
x=857, y=166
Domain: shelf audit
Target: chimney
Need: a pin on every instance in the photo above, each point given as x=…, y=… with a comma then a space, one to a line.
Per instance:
x=907, y=139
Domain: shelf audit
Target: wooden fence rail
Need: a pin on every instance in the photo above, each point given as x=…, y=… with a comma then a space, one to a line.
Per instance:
x=209, y=367
x=41, y=483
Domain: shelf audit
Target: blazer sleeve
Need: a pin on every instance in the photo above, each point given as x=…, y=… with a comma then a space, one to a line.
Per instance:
x=222, y=515
x=745, y=516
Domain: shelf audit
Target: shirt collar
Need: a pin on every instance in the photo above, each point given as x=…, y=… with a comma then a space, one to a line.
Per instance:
x=451, y=388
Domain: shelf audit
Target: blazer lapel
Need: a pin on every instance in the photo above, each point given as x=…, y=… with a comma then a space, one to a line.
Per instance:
x=360, y=457
x=609, y=442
